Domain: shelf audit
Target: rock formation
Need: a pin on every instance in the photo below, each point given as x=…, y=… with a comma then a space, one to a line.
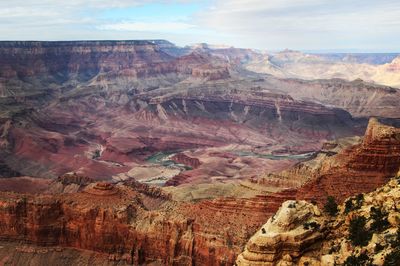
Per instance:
x=286, y=244
x=186, y=160
x=292, y=231
x=359, y=169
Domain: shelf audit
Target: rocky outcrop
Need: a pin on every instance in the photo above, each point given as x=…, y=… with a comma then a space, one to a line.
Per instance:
x=292, y=231
x=358, y=169
x=186, y=160
x=177, y=180
x=150, y=191
x=331, y=240
x=74, y=178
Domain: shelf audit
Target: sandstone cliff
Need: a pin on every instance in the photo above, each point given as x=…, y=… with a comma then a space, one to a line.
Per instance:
x=292, y=231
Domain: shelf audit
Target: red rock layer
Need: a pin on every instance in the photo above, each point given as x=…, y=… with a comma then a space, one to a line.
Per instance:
x=73, y=178
x=120, y=225
x=177, y=180
x=360, y=169
x=111, y=59
x=24, y=184
x=186, y=160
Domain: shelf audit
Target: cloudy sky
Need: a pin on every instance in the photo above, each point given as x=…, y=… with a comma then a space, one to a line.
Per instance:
x=341, y=25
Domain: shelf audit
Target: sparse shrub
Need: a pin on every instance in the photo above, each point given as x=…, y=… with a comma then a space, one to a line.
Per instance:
x=334, y=249
x=378, y=248
x=315, y=225
x=359, y=200
x=96, y=154
x=354, y=203
x=358, y=234
x=380, y=219
x=392, y=258
x=395, y=242
x=361, y=260
x=331, y=206
x=348, y=206
x=306, y=226
x=311, y=225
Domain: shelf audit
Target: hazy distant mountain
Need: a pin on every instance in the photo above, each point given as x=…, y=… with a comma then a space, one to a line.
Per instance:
x=378, y=68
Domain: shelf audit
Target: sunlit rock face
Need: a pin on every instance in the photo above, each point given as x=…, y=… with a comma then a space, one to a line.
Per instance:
x=359, y=169
x=294, y=229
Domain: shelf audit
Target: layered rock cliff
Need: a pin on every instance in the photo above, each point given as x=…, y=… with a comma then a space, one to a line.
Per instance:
x=292, y=231
x=359, y=169
x=129, y=223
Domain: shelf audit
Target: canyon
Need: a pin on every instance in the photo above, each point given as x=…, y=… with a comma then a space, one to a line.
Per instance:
x=141, y=224
x=146, y=153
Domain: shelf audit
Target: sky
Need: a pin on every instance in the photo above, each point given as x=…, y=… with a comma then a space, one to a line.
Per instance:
x=312, y=25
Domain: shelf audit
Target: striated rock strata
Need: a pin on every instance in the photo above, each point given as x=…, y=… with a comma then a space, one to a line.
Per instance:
x=292, y=231
x=359, y=169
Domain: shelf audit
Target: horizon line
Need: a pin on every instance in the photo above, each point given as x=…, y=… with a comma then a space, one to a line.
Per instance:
x=316, y=51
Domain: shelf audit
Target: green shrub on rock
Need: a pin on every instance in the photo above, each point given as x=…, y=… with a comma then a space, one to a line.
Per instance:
x=358, y=234
x=331, y=206
x=380, y=219
x=361, y=260
x=392, y=258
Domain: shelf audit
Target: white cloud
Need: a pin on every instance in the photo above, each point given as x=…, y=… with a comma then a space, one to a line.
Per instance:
x=20, y=12
x=148, y=26
x=305, y=24
x=73, y=3
x=264, y=24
